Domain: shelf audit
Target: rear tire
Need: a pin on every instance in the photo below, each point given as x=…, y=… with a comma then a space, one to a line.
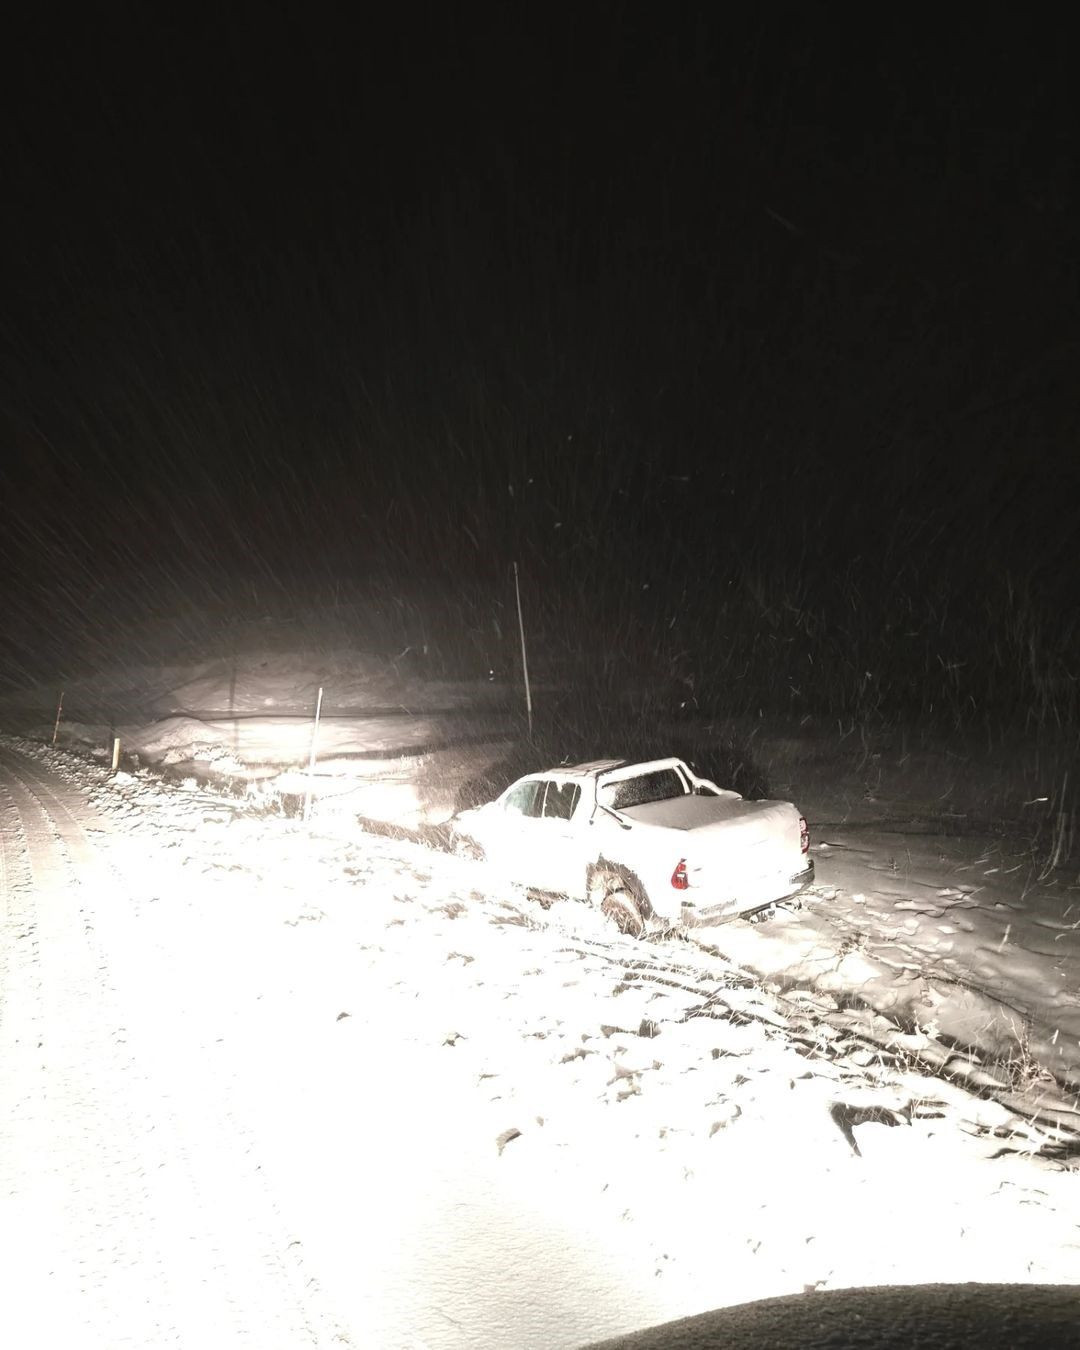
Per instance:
x=618, y=898
x=621, y=908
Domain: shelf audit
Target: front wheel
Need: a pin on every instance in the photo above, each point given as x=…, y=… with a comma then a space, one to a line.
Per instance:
x=464, y=846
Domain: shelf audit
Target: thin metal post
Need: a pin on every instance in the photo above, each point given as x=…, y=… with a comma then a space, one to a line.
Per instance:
x=524, y=657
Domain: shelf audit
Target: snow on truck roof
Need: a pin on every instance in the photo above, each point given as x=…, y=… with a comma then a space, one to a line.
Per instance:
x=593, y=768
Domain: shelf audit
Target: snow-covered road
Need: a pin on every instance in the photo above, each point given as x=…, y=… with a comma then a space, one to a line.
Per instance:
x=135, y=1209
x=266, y=1085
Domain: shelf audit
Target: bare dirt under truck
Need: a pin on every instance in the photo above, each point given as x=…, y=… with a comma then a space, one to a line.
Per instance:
x=646, y=842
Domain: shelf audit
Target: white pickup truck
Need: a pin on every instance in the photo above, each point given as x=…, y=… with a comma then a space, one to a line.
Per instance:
x=645, y=842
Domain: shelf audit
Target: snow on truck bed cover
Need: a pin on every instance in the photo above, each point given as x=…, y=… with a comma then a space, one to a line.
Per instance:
x=701, y=813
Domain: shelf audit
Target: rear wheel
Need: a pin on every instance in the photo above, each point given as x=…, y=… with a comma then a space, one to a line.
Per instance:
x=619, y=898
x=621, y=908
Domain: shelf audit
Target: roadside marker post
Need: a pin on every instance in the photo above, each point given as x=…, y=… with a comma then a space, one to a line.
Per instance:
x=59, y=710
x=311, y=760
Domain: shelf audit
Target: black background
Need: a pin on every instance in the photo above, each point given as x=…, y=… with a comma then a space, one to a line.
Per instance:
x=653, y=299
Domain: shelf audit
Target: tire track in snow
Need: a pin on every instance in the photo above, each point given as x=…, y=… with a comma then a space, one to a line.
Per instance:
x=66, y=1161
x=838, y=1026
x=828, y=1029
x=129, y=1218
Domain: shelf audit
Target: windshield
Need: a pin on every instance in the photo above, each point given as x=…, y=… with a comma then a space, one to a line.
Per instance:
x=659, y=786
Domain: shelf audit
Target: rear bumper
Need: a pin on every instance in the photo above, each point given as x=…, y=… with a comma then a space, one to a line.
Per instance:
x=784, y=890
x=803, y=878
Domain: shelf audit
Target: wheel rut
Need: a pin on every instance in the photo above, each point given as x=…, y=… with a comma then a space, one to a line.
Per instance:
x=135, y=1210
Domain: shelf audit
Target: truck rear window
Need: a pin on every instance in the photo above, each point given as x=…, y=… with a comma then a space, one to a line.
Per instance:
x=659, y=786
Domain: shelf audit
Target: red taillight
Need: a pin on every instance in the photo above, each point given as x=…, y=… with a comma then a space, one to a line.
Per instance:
x=804, y=835
x=679, y=879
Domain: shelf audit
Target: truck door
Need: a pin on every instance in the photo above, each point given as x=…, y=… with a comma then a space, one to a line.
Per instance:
x=510, y=840
x=561, y=859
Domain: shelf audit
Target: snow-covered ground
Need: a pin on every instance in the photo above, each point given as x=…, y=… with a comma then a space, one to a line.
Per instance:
x=450, y=1117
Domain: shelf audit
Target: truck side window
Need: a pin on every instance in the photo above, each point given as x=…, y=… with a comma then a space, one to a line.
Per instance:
x=561, y=800
x=524, y=800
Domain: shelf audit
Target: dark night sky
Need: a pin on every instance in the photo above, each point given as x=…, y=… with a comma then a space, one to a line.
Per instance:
x=308, y=300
